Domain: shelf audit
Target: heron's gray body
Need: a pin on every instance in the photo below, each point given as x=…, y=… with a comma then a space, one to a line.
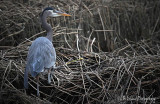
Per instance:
x=41, y=55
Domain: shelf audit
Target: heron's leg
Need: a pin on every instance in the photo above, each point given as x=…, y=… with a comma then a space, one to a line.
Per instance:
x=49, y=75
x=37, y=78
x=25, y=91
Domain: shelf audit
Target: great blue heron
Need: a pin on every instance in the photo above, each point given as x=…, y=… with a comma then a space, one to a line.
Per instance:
x=41, y=53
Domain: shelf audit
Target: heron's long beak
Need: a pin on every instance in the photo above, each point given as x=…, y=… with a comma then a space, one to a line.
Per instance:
x=64, y=14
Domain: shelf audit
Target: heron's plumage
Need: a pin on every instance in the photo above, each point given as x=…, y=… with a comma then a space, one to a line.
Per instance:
x=48, y=8
x=41, y=55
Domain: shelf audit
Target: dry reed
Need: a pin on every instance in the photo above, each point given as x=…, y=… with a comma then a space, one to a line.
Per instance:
x=127, y=73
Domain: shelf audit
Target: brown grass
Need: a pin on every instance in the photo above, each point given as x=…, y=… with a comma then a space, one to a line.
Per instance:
x=108, y=51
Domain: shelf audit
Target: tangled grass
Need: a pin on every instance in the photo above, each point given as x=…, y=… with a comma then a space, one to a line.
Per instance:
x=127, y=73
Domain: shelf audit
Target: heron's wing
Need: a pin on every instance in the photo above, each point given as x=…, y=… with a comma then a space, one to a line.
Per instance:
x=35, y=60
x=50, y=56
x=41, y=55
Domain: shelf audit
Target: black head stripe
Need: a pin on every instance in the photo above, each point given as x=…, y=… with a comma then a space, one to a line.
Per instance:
x=48, y=8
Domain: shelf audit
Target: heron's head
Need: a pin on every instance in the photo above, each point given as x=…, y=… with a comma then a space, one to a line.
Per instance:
x=53, y=12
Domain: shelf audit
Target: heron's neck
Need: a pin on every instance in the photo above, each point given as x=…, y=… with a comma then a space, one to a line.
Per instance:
x=47, y=27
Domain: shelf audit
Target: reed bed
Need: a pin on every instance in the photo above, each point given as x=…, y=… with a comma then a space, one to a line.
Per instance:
x=85, y=77
x=107, y=52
